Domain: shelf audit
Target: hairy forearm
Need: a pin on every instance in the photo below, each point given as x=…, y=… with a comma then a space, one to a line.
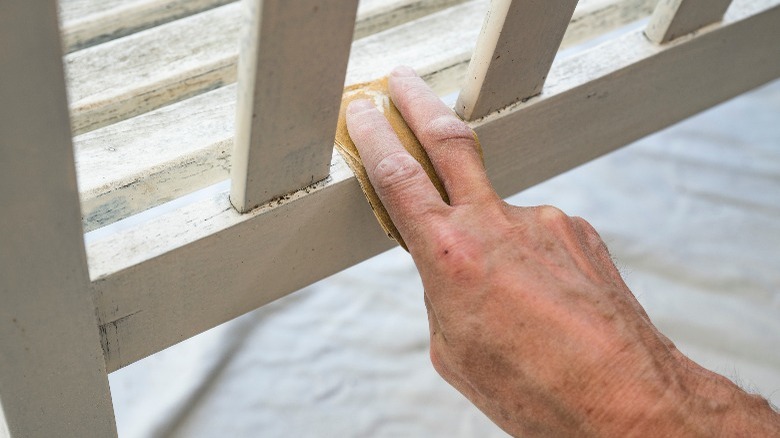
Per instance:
x=739, y=413
x=701, y=403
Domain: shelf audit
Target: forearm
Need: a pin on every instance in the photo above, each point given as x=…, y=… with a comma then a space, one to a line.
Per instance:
x=701, y=403
x=740, y=413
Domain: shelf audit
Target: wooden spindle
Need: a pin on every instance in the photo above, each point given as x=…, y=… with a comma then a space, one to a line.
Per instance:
x=675, y=18
x=291, y=76
x=53, y=380
x=514, y=52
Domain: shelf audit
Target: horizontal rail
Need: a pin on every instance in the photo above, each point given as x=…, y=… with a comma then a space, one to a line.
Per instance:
x=142, y=162
x=227, y=264
x=123, y=78
x=374, y=16
x=86, y=23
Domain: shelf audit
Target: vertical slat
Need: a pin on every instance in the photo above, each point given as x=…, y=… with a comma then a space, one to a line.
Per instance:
x=675, y=18
x=291, y=76
x=53, y=379
x=513, y=55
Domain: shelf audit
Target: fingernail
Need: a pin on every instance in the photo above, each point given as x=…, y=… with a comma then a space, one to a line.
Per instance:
x=360, y=105
x=403, y=72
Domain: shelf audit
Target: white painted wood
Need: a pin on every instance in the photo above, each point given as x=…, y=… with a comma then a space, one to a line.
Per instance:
x=4, y=432
x=513, y=55
x=141, y=162
x=374, y=16
x=89, y=22
x=52, y=372
x=148, y=70
x=227, y=263
x=291, y=76
x=130, y=76
x=675, y=18
x=596, y=17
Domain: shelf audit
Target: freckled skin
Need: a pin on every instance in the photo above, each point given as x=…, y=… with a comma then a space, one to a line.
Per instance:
x=529, y=318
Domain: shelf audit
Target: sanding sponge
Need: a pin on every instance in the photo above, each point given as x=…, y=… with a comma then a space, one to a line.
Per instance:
x=378, y=92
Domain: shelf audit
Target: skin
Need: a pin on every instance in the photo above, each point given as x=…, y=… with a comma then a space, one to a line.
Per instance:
x=529, y=317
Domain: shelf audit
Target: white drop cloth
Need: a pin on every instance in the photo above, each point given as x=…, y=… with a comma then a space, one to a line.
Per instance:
x=691, y=214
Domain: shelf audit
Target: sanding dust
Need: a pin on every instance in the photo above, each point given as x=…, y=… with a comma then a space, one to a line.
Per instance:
x=378, y=92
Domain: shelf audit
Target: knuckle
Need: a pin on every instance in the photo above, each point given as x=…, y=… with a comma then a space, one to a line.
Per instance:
x=591, y=236
x=462, y=256
x=586, y=227
x=396, y=170
x=436, y=360
x=552, y=217
x=447, y=129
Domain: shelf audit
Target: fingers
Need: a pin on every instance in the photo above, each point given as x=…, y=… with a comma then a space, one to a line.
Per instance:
x=449, y=141
x=400, y=181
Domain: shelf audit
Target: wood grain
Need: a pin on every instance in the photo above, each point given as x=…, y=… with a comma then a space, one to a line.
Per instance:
x=86, y=23
x=144, y=71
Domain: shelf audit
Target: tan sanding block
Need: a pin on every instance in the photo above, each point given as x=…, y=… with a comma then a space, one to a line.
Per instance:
x=377, y=92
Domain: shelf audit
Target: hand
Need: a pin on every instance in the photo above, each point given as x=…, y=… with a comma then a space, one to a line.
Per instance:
x=529, y=318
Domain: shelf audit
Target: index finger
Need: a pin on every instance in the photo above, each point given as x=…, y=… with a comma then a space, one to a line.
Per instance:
x=400, y=181
x=449, y=141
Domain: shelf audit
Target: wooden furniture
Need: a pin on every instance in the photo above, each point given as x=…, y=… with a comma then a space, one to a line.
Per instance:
x=154, y=114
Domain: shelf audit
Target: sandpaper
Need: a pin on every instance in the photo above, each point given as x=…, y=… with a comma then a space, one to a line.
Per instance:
x=377, y=91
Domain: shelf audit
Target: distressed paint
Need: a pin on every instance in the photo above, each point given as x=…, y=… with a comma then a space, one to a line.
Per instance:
x=89, y=22
x=123, y=78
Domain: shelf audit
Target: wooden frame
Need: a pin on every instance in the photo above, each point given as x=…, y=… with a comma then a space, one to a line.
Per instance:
x=154, y=284
x=182, y=147
x=595, y=102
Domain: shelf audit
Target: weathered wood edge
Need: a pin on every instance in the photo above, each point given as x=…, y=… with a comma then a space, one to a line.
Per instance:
x=139, y=163
x=595, y=102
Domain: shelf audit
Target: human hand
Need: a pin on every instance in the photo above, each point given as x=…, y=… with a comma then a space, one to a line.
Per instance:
x=529, y=318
